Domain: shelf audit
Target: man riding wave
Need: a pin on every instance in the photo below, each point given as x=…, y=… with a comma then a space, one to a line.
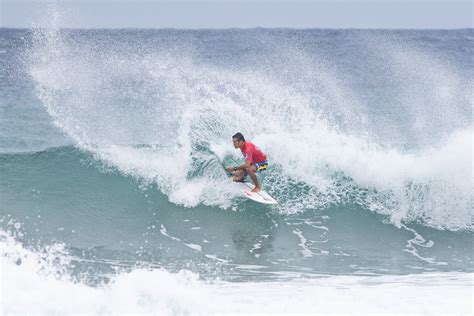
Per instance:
x=255, y=161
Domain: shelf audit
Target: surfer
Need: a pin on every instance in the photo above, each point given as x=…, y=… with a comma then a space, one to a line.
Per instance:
x=255, y=161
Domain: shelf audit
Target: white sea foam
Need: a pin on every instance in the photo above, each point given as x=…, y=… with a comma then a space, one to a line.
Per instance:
x=37, y=283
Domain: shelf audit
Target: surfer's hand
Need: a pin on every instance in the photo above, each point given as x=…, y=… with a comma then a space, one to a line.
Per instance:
x=230, y=168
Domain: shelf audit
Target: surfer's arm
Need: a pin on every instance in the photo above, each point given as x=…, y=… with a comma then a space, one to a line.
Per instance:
x=244, y=166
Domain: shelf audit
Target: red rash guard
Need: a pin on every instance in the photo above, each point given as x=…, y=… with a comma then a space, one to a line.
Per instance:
x=252, y=153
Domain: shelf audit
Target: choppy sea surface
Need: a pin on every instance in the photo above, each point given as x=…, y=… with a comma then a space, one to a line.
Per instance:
x=113, y=198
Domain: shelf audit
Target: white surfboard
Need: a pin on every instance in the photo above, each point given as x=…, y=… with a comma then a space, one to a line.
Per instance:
x=246, y=188
x=260, y=197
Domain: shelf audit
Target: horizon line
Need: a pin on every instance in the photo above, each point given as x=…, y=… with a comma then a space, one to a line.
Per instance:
x=242, y=28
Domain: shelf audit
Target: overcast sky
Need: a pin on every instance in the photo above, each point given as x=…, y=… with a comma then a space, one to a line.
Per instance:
x=240, y=13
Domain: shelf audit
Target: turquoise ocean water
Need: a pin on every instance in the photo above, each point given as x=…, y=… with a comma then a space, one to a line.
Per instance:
x=113, y=197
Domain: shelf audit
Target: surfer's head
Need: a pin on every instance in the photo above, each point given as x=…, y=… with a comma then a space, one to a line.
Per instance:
x=238, y=140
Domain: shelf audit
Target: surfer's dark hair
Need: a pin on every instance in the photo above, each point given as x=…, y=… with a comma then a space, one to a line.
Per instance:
x=239, y=137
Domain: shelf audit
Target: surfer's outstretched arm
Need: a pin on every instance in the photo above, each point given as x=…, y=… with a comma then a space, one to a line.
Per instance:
x=244, y=166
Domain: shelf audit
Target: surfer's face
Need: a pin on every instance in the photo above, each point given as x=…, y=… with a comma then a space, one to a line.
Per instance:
x=237, y=143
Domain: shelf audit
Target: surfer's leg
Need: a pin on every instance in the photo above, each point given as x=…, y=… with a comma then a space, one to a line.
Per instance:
x=252, y=173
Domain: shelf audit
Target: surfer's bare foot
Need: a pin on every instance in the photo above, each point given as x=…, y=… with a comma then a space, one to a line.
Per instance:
x=256, y=189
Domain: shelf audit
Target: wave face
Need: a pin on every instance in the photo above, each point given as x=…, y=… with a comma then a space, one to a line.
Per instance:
x=111, y=150
x=345, y=117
